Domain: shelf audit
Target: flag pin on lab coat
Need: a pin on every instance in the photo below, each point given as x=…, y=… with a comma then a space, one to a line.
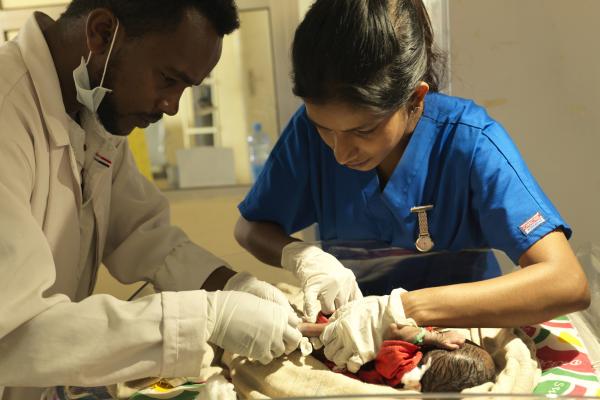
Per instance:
x=424, y=243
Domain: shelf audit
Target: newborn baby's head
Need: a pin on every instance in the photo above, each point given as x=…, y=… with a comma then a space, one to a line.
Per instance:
x=455, y=370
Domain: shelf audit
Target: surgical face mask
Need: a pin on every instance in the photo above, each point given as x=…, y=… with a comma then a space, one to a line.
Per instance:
x=91, y=98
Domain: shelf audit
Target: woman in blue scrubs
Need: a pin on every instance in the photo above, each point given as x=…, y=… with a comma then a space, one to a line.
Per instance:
x=376, y=153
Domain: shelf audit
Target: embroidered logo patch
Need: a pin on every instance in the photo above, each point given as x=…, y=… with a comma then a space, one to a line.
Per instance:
x=532, y=223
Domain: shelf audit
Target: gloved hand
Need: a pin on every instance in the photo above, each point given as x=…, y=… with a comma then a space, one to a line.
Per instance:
x=355, y=332
x=244, y=282
x=326, y=283
x=250, y=326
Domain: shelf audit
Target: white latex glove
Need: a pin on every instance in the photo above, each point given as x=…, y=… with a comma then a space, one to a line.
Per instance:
x=355, y=332
x=244, y=324
x=326, y=283
x=244, y=282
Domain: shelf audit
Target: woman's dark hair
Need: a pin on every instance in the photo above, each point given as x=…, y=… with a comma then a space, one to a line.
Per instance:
x=140, y=17
x=368, y=53
x=456, y=370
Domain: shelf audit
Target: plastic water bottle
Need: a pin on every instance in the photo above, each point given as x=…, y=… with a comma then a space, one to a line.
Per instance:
x=259, y=147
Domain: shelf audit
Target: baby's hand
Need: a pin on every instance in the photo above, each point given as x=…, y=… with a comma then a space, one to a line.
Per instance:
x=449, y=340
x=309, y=329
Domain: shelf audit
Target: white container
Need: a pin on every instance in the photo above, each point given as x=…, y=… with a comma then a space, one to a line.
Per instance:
x=205, y=166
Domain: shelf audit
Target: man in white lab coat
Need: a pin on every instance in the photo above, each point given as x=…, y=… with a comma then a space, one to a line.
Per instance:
x=71, y=198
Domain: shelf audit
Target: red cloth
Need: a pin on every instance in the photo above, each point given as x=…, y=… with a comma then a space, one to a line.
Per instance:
x=395, y=358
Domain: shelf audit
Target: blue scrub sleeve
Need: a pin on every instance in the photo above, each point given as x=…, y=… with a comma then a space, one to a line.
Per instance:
x=512, y=209
x=282, y=193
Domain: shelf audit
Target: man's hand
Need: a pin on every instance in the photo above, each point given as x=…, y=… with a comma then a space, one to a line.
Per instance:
x=326, y=283
x=250, y=326
x=244, y=282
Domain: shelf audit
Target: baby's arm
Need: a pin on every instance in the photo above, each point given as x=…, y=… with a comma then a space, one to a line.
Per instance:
x=449, y=340
x=310, y=329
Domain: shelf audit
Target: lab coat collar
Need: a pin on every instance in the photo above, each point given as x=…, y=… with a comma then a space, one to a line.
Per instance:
x=36, y=56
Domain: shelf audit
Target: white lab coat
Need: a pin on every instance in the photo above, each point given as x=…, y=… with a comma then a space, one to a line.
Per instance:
x=51, y=332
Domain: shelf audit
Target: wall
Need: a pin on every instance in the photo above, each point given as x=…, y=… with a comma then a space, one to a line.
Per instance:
x=232, y=111
x=258, y=72
x=303, y=6
x=535, y=65
x=30, y=3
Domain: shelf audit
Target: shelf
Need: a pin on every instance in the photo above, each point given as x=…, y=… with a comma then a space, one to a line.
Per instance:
x=201, y=130
x=206, y=111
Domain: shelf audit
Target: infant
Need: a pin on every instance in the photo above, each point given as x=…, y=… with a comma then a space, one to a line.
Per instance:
x=454, y=364
x=430, y=360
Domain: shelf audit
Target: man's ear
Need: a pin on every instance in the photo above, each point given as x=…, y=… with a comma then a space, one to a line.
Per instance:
x=100, y=27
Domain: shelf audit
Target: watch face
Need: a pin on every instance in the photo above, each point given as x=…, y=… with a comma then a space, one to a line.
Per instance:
x=424, y=244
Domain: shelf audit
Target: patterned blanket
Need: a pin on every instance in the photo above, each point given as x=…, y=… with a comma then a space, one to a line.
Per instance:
x=566, y=367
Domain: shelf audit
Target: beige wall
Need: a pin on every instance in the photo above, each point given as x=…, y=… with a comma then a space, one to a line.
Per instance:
x=258, y=72
x=30, y=3
x=228, y=75
x=536, y=65
x=303, y=6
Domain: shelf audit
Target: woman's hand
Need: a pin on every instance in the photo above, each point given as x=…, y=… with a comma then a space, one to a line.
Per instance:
x=326, y=283
x=355, y=332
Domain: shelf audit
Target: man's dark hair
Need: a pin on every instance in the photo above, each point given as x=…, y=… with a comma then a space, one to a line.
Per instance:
x=456, y=370
x=369, y=53
x=140, y=17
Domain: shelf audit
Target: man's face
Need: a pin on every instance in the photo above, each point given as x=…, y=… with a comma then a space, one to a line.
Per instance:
x=147, y=75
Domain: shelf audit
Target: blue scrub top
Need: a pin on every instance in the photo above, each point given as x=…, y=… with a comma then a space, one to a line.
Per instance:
x=459, y=160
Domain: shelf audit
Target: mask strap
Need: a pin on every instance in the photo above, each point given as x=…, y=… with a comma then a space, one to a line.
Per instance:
x=87, y=61
x=109, y=52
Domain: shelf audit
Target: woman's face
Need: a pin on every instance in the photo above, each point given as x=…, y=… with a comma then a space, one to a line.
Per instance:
x=359, y=138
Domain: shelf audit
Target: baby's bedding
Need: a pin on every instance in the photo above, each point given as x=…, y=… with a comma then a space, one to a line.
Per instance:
x=297, y=376
x=566, y=367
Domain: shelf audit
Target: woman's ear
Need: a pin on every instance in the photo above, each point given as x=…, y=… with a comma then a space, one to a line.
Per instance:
x=415, y=105
x=418, y=97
